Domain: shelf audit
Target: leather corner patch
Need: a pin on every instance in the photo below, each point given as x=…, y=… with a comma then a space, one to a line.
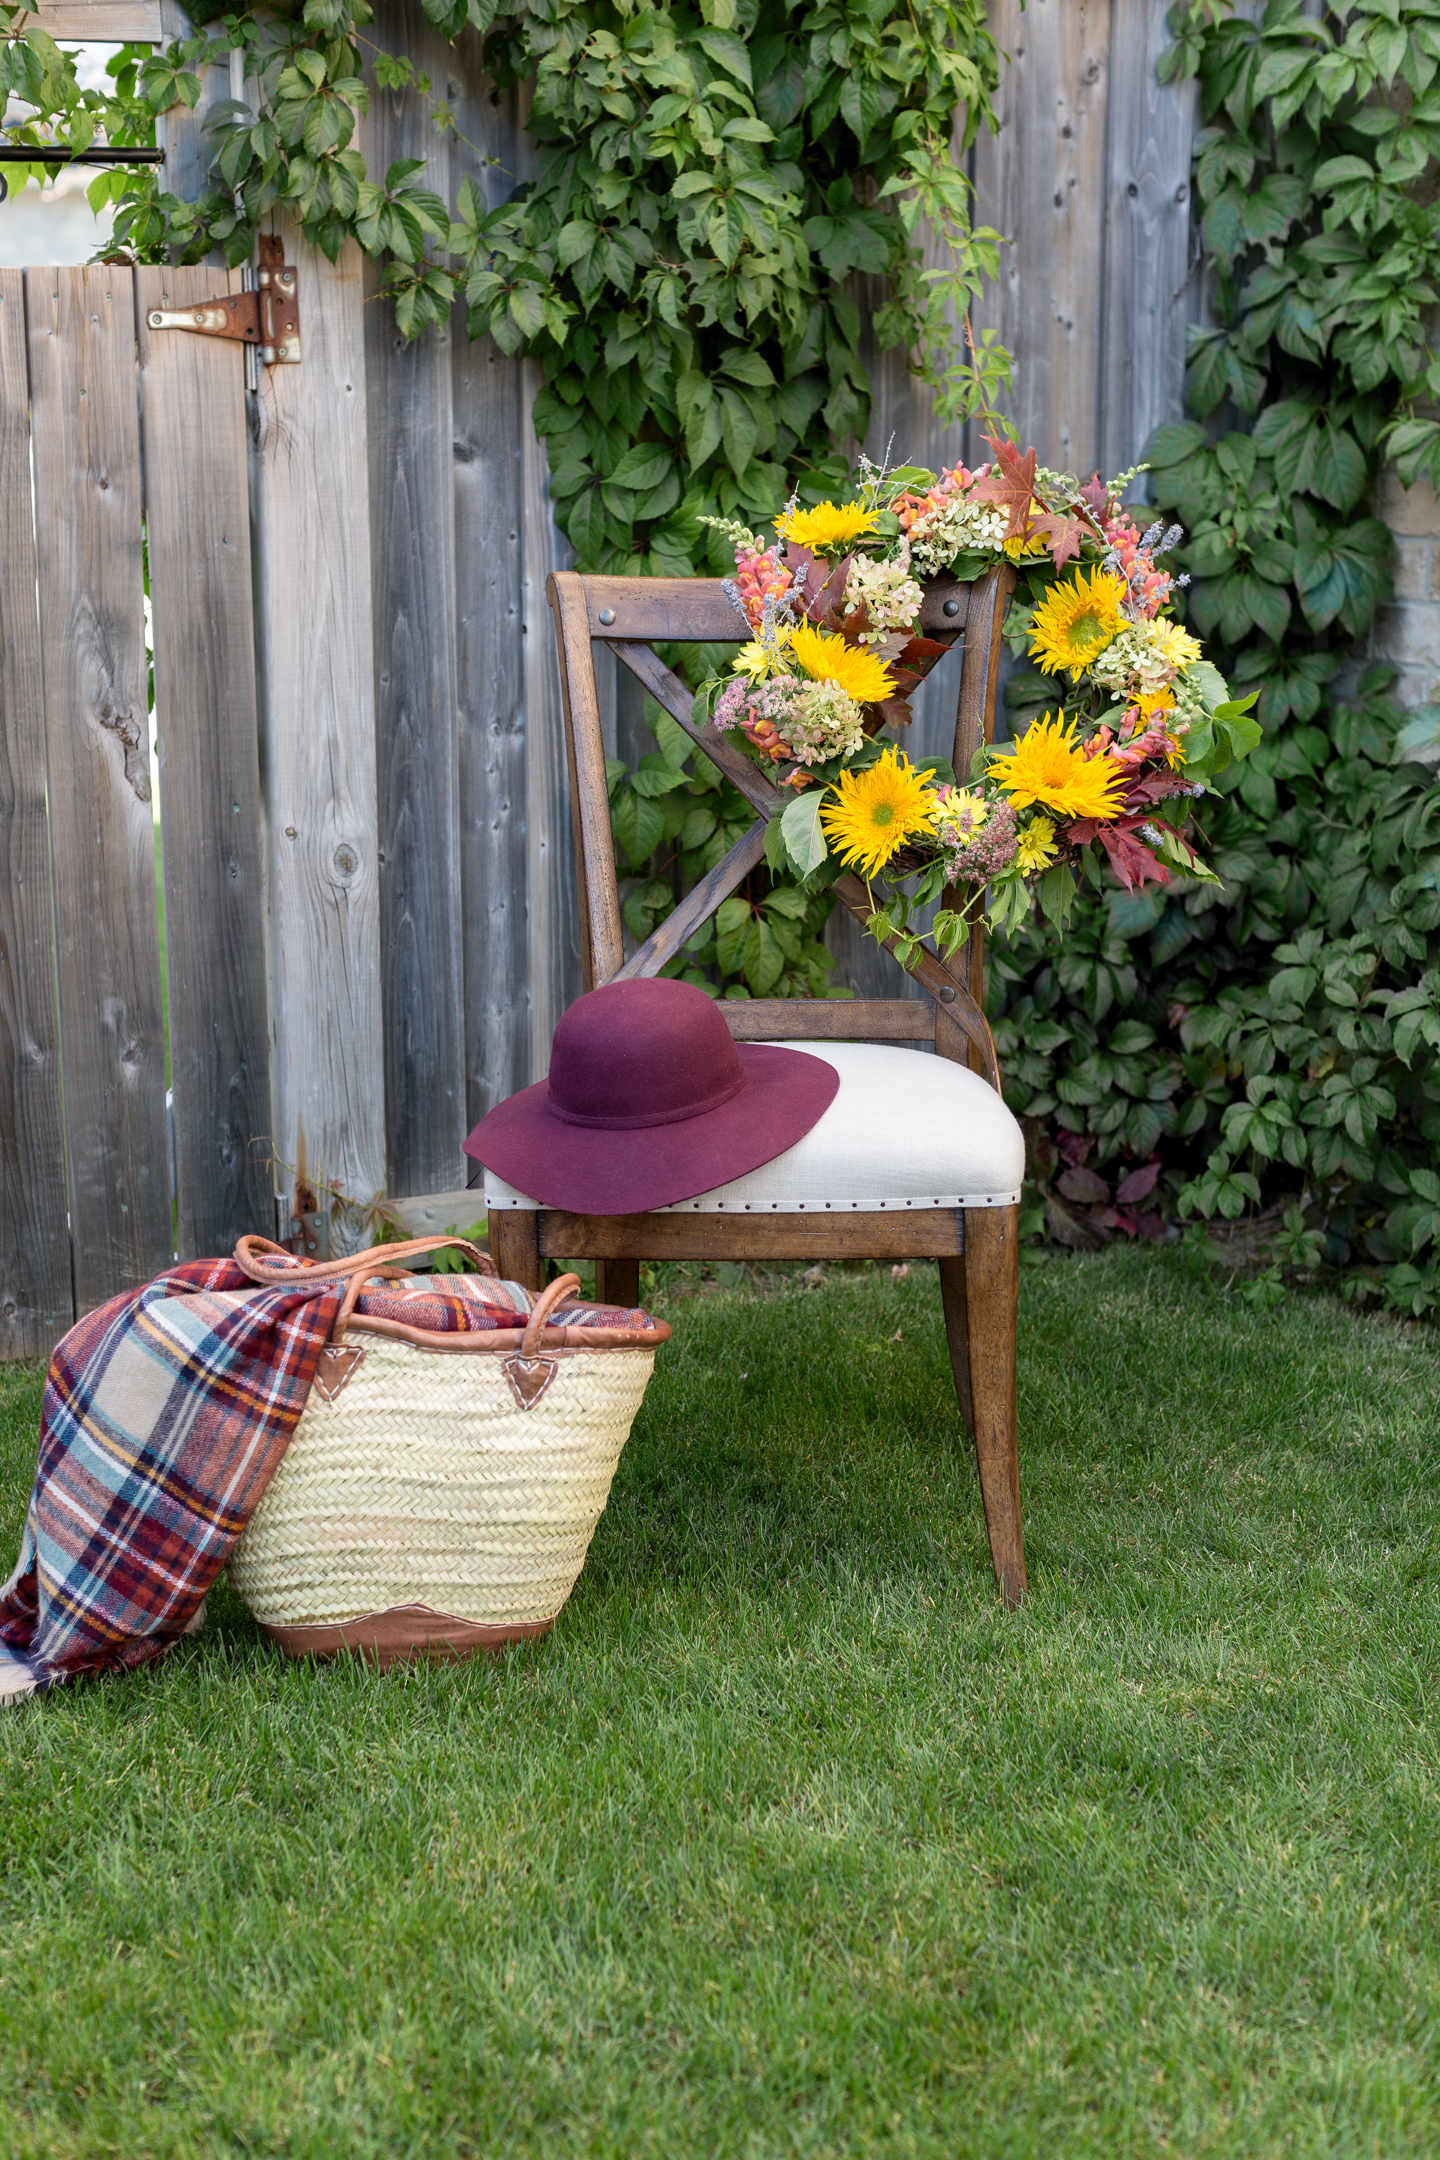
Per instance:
x=335, y=1371
x=529, y=1377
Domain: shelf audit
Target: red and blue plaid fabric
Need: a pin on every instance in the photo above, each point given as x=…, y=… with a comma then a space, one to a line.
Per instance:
x=165, y=1414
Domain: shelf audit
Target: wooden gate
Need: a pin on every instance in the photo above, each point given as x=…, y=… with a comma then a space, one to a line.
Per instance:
x=267, y=952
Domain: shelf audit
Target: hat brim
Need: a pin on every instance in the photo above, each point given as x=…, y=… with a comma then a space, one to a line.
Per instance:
x=588, y=1171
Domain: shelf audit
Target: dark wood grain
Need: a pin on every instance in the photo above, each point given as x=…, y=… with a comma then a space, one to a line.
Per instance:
x=667, y=689
x=992, y=1291
x=698, y=905
x=617, y=1282
x=86, y=446
x=192, y=400
x=852, y=1235
x=36, y=1304
x=829, y=1019
x=603, y=939
x=412, y=526
x=490, y=647
x=695, y=610
x=515, y=1247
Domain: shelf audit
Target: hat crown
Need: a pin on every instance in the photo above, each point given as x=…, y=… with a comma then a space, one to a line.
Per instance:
x=649, y=1052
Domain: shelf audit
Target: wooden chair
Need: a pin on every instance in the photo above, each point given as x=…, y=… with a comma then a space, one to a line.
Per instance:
x=976, y=1246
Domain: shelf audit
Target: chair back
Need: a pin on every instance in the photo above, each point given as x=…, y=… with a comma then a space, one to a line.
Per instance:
x=632, y=615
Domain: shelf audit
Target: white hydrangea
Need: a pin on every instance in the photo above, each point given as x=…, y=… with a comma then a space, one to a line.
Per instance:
x=1133, y=664
x=822, y=723
x=952, y=528
x=888, y=593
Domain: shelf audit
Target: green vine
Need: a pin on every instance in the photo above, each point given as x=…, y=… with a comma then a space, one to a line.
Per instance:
x=1272, y=1049
x=711, y=177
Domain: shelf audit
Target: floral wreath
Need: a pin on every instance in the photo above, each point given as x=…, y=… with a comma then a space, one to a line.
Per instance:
x=1143, y=729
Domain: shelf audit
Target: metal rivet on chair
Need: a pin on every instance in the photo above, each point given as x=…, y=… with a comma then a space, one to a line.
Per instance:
x=947, y=994
x=951, y=607
x=607, y=616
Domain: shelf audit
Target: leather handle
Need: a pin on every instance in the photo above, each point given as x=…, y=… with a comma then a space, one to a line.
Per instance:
x=252, y=1255
x=552, y=1295
x=353, y=1291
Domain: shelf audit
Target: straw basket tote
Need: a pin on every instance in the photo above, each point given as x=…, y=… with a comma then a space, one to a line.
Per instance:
x=440, y=1491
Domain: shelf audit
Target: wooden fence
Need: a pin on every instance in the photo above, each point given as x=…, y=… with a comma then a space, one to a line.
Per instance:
x=369, y=927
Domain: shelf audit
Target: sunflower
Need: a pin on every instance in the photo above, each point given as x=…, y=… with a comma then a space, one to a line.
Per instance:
x=1075, y=623
x=757, y=659
x=829, y=529
x=877, y=811
x=1048, y=766
x=1177, y=647
x=829, y=659
x=1036, y=847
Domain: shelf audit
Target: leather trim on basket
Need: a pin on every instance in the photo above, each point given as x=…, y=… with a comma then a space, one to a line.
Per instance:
x=554, y=1341
x=400, y=1633
x=335, y=1371
x=529, y=1377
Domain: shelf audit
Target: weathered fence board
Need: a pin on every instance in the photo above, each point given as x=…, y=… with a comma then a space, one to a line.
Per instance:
x=197, y=516
x=89, y=550
x=317, y=697
x=489, y=555
x=36, y=1300
x=412, y=541
x=1147, y=238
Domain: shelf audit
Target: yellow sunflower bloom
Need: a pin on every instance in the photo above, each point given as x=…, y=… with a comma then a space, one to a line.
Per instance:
x=828, y=528
x=1048, y=766
x=757, y=659
x=877, y=812
x=1036, y=847
x=1175, y=644
x=1076, y=621
x=829, y=659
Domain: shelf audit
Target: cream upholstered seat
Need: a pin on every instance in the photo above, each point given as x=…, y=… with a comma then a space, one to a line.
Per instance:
x=906, y=1130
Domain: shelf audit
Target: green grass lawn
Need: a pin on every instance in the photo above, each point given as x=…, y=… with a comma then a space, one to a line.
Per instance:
x=788, y=1841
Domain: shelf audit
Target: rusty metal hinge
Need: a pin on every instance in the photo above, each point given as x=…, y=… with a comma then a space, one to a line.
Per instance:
x=267, y=318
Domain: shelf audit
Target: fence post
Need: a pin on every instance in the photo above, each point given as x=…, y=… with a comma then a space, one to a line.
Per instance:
x=36, y=1303
x=310, y=510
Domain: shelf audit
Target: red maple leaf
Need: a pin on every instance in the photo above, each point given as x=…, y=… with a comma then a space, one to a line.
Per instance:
x=1010, y=484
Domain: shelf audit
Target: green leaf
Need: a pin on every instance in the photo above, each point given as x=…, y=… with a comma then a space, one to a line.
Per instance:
x=804, y=836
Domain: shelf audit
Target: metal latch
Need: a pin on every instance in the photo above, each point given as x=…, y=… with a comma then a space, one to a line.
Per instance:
x=268, y=317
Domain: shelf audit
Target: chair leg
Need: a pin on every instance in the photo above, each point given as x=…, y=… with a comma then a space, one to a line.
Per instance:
x=617, y=1282
x=981, y=1295
x=515, y=1246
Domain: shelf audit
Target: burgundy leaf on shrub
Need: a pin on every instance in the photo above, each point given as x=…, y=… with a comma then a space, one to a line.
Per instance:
x=1075, y=1146
x=1039, y=1148
x=1152, y=1227
x=1138, y=1184
x=1082, y=1184
x=1069, y=1226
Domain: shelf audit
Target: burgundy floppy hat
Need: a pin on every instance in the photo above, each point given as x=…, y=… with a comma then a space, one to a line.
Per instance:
x=648, y=1101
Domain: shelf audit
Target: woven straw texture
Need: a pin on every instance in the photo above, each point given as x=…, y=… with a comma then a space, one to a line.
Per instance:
x=424, y=1483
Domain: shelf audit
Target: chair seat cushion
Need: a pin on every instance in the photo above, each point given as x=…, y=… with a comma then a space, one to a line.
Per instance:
x=906, y=1130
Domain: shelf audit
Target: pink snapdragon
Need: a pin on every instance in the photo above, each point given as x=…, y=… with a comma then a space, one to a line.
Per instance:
x=760, y=578
x=1149, y=588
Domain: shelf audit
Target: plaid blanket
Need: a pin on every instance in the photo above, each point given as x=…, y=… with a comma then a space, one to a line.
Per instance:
x=165, y=1413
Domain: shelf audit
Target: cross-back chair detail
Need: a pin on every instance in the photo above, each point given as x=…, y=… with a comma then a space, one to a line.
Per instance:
x=976, y=1248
